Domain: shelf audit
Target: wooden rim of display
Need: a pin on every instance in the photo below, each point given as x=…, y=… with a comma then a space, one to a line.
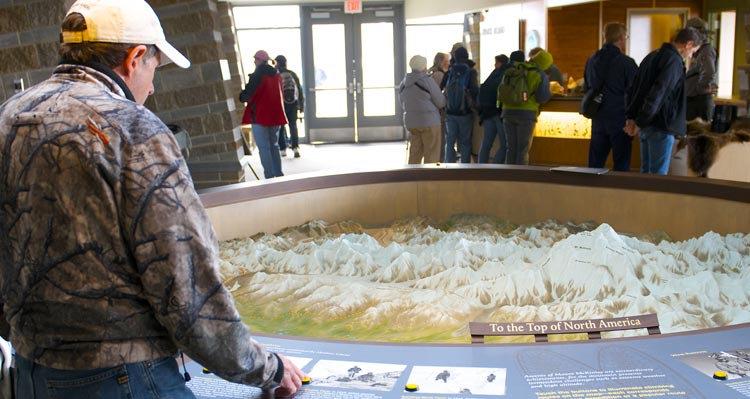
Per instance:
x=701, y=187
x=576, y=342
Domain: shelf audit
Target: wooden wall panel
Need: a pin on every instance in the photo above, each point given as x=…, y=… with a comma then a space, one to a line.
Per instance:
x=573, y=36
x=573, y=31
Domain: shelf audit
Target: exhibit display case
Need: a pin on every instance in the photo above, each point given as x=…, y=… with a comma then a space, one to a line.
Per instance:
x=562, y=136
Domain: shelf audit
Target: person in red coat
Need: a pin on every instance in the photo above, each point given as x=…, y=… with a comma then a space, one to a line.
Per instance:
x=265, y=112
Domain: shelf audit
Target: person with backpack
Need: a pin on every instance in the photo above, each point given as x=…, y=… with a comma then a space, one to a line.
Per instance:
x=461, y=87
x=524, y=87
x=294, y=101
x=489, y=113
x=611, y=72
x=265, y=112
x=421, y=100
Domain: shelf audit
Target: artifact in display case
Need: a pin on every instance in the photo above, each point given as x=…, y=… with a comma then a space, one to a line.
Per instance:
x=559, y=117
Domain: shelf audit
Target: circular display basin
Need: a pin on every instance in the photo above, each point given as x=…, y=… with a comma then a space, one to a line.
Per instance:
x=630, y=203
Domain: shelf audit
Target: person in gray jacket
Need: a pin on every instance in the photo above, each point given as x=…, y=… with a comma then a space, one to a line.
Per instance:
x=109, y=265
x=421, y=100
x=700, y=80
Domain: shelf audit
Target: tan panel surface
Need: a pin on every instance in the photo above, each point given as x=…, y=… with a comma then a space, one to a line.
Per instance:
x=373, y=204
x=627, y=211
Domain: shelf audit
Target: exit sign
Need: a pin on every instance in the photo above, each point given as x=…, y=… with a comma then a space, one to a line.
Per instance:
x=353, y=6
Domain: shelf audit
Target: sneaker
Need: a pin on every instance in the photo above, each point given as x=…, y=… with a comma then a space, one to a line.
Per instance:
x=283, y=152
x=296, y=152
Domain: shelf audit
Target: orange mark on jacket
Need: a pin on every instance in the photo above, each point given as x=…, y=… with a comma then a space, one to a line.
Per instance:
x=94, y=129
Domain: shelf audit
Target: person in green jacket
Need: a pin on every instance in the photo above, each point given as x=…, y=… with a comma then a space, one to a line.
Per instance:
x=519, y=119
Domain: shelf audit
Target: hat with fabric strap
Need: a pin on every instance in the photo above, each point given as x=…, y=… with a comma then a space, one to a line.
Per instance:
x=125, y=22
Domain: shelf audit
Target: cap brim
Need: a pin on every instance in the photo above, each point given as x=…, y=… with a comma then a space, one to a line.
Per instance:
x=172, y=55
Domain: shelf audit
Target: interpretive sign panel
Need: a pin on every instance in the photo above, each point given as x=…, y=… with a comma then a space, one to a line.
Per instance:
x=648, y=321
x=664, y=366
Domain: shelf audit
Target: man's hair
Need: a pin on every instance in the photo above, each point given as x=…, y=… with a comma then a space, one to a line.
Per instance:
x=502, y=58
x=109, y=54
x=613, y=31
x=688, y=34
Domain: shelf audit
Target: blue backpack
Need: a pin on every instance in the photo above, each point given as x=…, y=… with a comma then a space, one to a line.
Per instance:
x=456, y=90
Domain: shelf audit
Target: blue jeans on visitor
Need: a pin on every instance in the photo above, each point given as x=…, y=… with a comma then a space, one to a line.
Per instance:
x=153, y=379
x=267, y=140
x=493, y=127
x=458, y=129
x=656, y=150
x=519, y=133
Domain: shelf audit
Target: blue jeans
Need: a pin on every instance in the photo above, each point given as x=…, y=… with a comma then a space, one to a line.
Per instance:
x=154, y=379
x=291, y=116
x=656, y=150
x=519, y=133
x=493, y=127
x=458, y=129
x=267, y=140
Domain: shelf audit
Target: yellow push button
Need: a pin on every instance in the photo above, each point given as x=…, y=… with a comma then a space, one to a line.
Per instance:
x=306, y=380
x=411, y=387
x=720, y=375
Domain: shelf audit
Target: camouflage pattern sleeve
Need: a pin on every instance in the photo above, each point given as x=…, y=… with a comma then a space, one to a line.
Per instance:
x=174, y=247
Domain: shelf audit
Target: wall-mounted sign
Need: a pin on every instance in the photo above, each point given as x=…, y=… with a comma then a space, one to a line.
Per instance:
x=353, y=6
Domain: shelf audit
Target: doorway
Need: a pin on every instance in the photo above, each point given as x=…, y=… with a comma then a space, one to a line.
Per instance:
x=650, y=27
x=353, y=64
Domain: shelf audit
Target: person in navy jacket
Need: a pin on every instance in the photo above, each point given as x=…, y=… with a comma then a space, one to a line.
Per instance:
x=656, y=103
x=615, y=70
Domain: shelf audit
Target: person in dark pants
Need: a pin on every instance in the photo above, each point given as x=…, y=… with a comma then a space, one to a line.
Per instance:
x=617, y=71
x=700, y=81
x=294, y=101
x=459, y=120
x=489, y=113
x=655, y=102
x=519, y=120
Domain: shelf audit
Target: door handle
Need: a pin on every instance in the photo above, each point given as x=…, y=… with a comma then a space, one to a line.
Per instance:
x=359, y=88
x=350, y=88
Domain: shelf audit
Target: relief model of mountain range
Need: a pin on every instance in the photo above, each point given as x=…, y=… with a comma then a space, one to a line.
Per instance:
x=417, y=280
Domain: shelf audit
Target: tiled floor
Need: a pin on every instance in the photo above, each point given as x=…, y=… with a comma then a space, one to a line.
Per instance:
x=340, y=157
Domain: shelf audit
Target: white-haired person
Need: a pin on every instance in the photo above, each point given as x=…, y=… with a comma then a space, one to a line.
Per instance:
x=421, y=100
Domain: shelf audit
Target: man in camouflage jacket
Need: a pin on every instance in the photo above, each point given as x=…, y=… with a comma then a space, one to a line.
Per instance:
x=107, y=256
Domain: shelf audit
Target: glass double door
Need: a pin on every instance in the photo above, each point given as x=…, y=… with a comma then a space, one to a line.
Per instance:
x=353, y=65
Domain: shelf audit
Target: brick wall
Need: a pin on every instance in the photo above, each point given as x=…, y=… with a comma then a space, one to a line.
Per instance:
x=200, y=99
x=29, y=33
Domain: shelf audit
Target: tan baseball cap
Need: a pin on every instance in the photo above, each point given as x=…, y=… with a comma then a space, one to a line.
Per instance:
x=122, y=21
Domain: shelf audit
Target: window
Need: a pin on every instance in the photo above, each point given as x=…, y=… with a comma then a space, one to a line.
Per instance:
x=429, y=36
x=275, y=29
x=726, y=53
x=649, y=28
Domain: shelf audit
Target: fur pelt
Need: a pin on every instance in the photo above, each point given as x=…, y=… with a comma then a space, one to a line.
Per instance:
x=703, y=144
